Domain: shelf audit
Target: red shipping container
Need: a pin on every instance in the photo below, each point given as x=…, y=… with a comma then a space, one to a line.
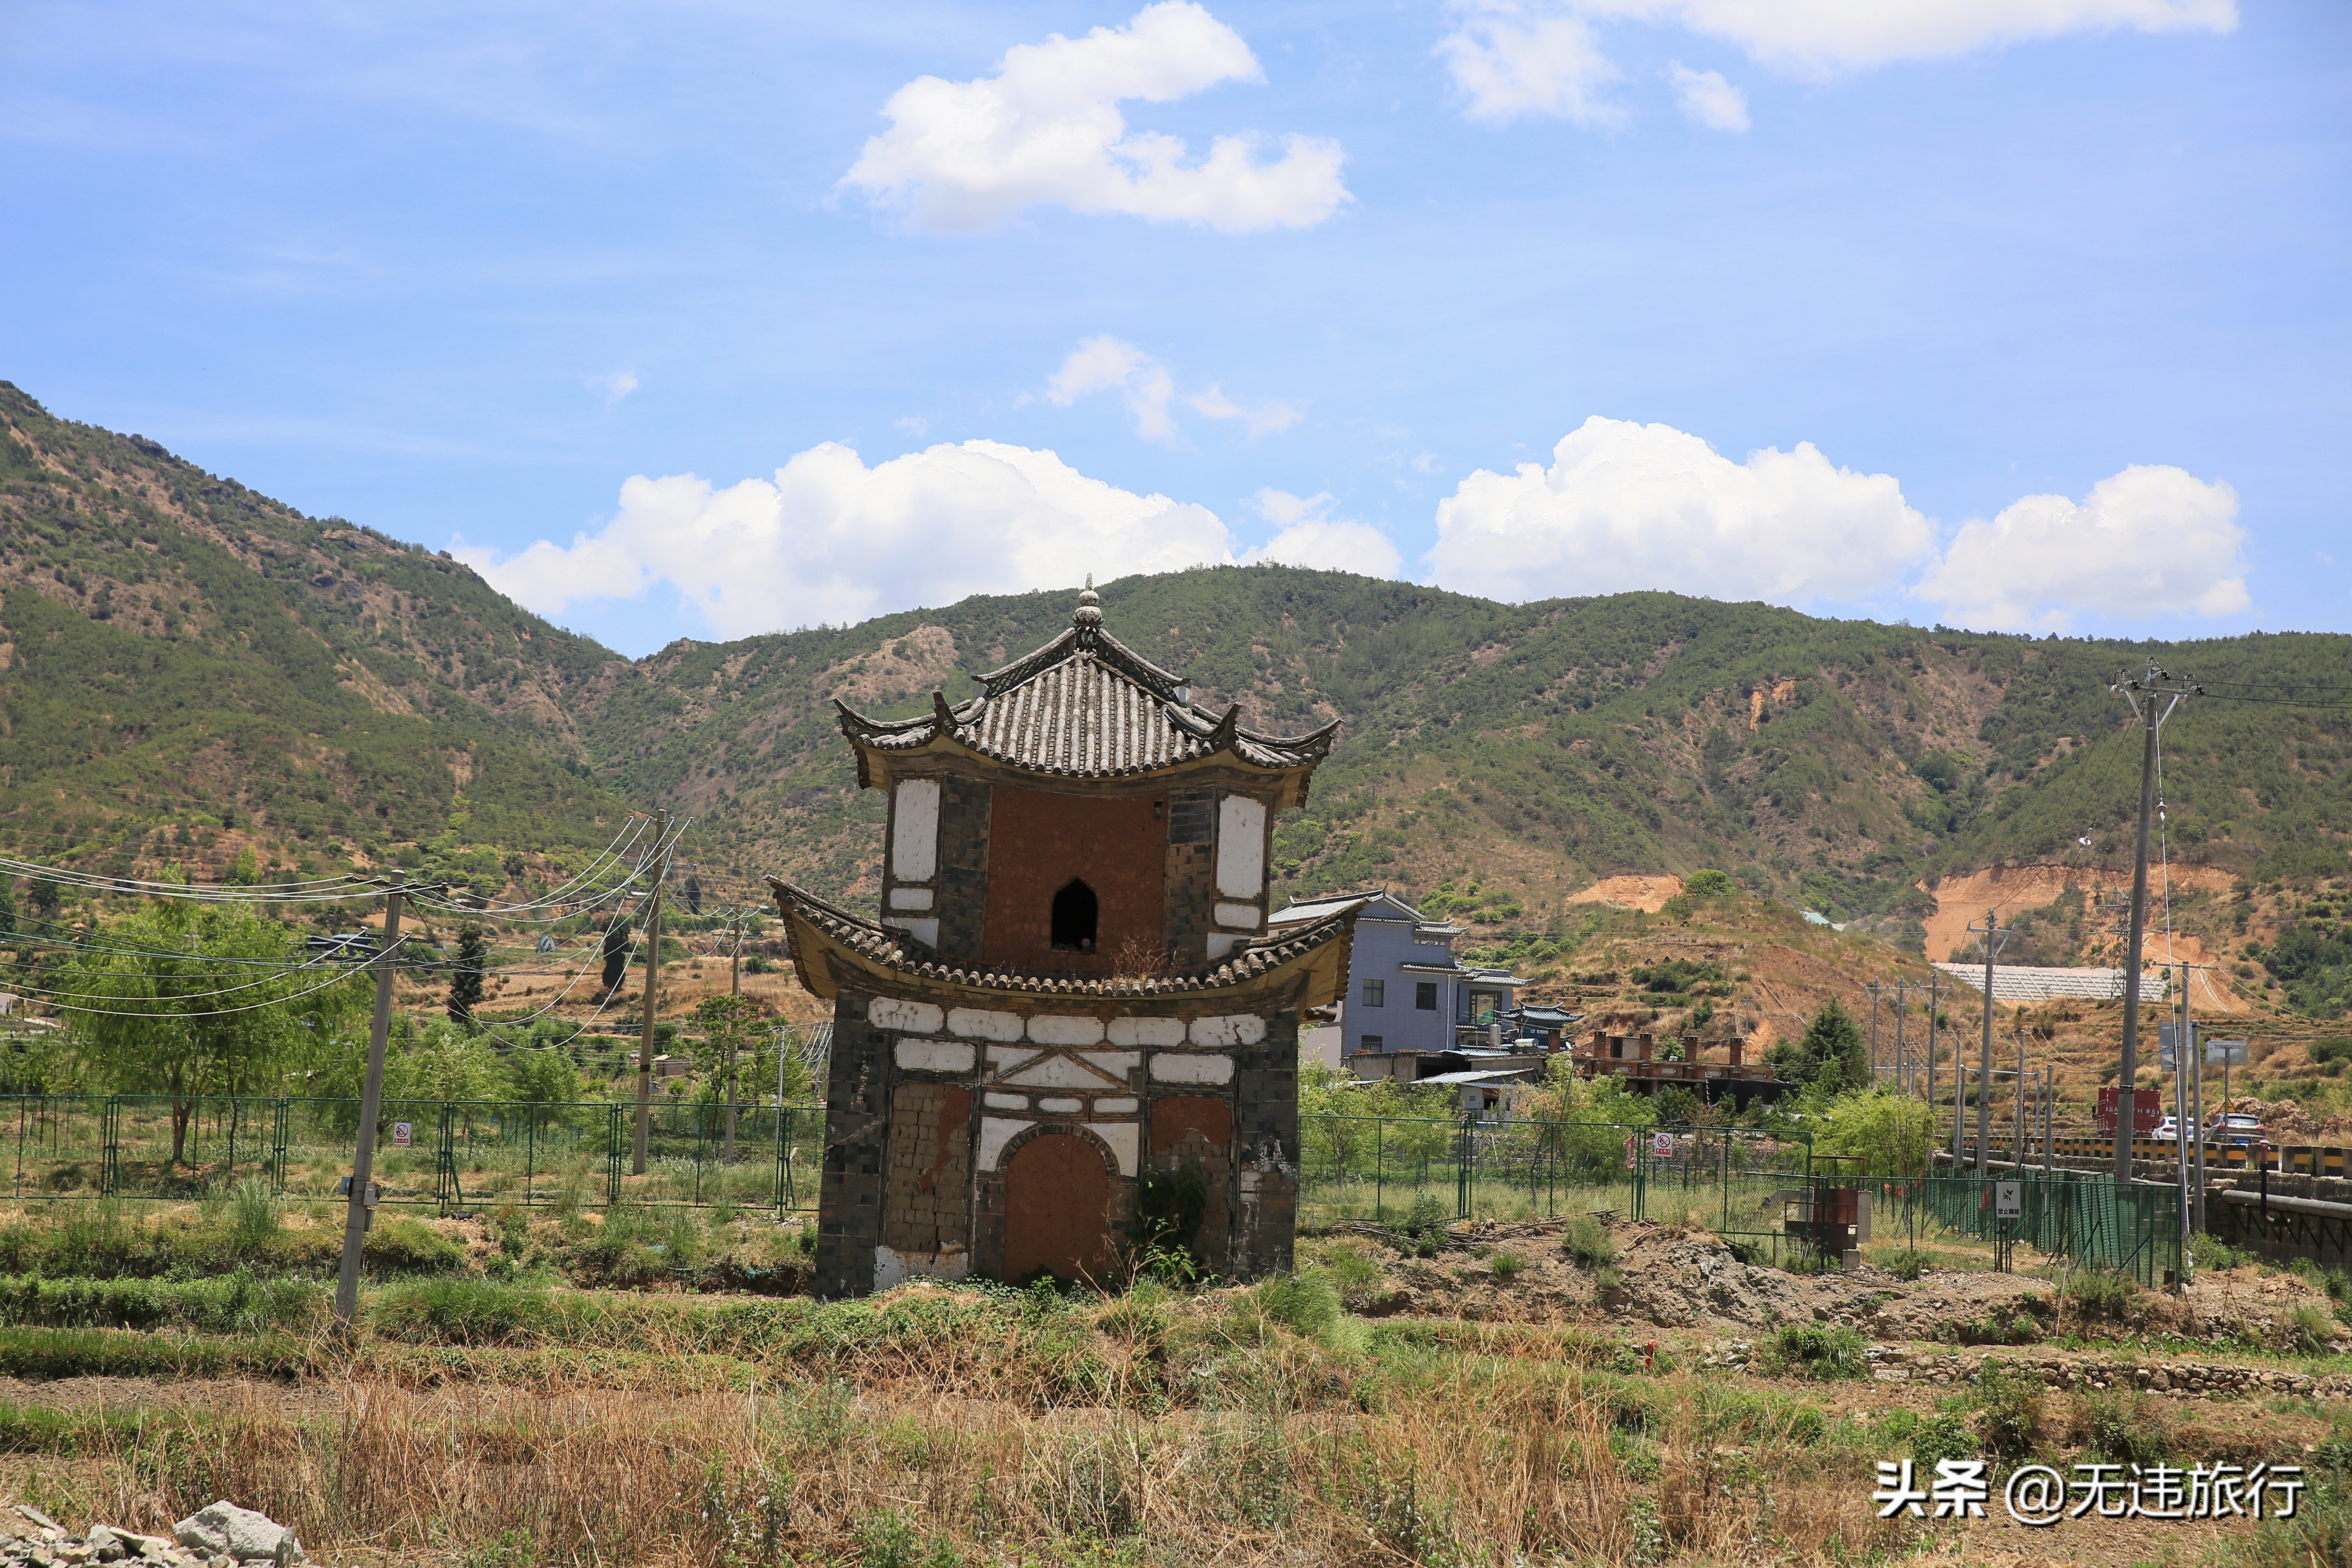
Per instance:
x=2147, y=1109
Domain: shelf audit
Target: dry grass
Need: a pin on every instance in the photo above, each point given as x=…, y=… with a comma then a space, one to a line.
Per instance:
x=1478, y=1468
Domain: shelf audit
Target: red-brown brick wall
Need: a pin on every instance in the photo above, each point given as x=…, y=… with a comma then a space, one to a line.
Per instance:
x=1037, y=842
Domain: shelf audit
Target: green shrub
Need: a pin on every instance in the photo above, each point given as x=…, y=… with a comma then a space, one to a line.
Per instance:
x=118, y=1352
x=2129, y=1429
x=1944, y=1434
x=1360, y=1282
x=463, y=1312
x=404, y=1245
x=235, y=1303
x=1820, y=1351
x=1305, y=1302
x=2308, y=1328
x=253, y=1220
x=1426, y=1225
x=1588, y=1241
x=1508, y=1265
x=2009, y=1410
x=1906, y=1265
x=2213, y=1255
x=2101, y=1293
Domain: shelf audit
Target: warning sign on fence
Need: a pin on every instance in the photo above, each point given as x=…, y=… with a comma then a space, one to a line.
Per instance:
x=2008, y=1200
x=403, y=1134
x=1662, y=1145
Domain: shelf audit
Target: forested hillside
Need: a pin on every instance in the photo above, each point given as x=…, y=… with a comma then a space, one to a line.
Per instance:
x=188, y=669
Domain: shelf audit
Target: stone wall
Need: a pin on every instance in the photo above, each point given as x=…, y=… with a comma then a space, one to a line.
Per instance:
x=856, y=1120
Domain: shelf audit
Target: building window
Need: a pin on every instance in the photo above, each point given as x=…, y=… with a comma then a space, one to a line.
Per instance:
x=1374, y=1043
x=1424, y=995
x=1376, y=993
x=1076, y=910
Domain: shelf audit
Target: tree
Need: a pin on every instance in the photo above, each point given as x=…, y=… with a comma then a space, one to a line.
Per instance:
x=616, y=950
x=1891, y=1131
x=188, y=1000
x=729, y=1025
x=1833, y=1055
x=465, y=979
x=1709, y=885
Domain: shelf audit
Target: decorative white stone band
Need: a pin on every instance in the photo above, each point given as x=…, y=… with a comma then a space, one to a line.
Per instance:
x=1121, y=1137
x=923, y=929
x=892, y=1266
x=1241, y=917
x=907, y=1017
x=1115, y=1107
x=1193, y=1069
x=1231, y=1029
x=1240, y=848
x=985, y=1024
x=1062, y=1107
x=935, y=1056
x=1065, y=1029
x=1109, y=1071
x=915, y=834
x=1147, y=1031
x=1005, y=1102
x=1220, y=942
x=995, y=1133
x=911, y=898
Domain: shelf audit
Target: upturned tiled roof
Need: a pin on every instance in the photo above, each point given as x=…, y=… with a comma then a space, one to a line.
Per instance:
x=888, y=947
x=2029, y=983
x=1086, y=706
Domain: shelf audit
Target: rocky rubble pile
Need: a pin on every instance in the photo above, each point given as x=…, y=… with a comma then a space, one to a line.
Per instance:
x=221, y=1535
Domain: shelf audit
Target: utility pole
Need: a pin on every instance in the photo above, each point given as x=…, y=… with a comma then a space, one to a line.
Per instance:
x=2049, y=1105
x=734, y=988
x=2142, y=692
x=1935, y=999
x=651, y=995
x=1874, y=988
x=1900, y=1009
x=2196, y=1091
x=1996, y=937
x=2019, y=1158
x=355, y=1213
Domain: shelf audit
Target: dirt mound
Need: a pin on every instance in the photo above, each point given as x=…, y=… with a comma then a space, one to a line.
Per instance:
x=1648, y=894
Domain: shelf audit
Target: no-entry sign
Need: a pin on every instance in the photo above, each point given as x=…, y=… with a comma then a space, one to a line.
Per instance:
x=401, y=1133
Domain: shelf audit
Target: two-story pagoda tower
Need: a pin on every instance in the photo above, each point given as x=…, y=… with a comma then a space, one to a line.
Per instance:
x=1070, y=994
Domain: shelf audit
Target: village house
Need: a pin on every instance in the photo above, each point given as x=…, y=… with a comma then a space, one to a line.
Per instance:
x=1071, y=1024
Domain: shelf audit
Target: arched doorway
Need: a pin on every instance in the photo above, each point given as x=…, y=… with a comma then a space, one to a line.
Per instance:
x=1075, y=916
x=1056, y=1199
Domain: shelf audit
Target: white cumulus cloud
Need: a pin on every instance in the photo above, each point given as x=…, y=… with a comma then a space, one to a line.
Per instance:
x=1310, y=537
x=1708, y=100
x=2152, y=539
x=1514, y=57
x=614, y=385
x=1046, y=130
x=829, y=538
x=1106, y=364
x=1819, y=37
x=1625, y=506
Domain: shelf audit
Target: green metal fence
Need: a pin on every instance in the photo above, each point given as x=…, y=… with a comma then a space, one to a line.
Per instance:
x=447, y=1153
x=2085, y=1218
x=1383, y=1168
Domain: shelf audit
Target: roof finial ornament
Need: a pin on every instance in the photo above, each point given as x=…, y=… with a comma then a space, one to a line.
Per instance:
x=1087, y=616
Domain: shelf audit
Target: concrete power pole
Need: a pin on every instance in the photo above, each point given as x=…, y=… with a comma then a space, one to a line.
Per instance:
x=734, y=988
x=355, y=1213
x=652, y=996
x=2142, y=692
x=1996, y=936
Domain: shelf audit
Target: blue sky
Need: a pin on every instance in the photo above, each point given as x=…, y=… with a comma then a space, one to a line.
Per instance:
x=2054, y=289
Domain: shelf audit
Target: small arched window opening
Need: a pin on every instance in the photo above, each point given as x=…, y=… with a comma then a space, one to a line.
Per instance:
x=1074, y=914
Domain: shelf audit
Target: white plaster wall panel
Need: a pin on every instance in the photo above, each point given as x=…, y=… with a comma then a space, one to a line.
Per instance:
x=1244, y=916
x=985, y=1024
x=1221, y=944
x=915, y=831
x=1241, y=847
x=1065, y=1029
x=1193, y=1069
x=1121, y=1137
x=935, y=1056
x=996, y=1131
x=1056, y=1072
x=1002, y=1057
x=1005, y=1102
x=1116, y=1064
x=1147, y=1031
x=923, y=929
x=1062, y=1107
x=910, y=897
x=906, y=1017
x=1230, y=1029
x=1115, y=1107
x=892, y=1266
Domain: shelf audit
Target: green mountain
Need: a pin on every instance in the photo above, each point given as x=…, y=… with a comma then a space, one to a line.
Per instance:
x=187, y=668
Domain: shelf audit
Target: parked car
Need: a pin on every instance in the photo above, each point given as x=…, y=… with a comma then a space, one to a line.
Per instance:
x=2167, y=1130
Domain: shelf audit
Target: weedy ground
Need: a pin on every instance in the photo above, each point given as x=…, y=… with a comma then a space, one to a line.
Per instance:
x=1355, y=1412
